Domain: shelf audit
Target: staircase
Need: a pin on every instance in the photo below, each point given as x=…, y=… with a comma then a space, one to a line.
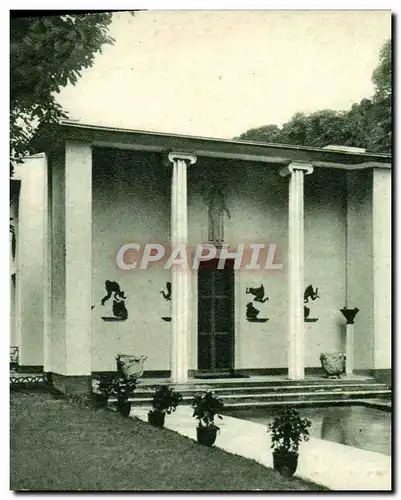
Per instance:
x=248, y=394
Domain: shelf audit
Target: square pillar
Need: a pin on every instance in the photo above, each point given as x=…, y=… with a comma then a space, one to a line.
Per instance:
x=71, y=268
x=296, y=362
x=381, y=204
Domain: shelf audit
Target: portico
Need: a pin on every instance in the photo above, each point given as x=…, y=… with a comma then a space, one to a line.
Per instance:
x=109, y=187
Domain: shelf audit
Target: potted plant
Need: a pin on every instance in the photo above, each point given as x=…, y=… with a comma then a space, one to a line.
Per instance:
x=122, y=385
x=101, y=397
x=287, y=429
x=206, y=406
x=165, y=400
x=122, y=388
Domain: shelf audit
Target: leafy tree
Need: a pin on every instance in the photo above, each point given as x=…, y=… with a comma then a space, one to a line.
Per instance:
x=47, y=53
x=382, y=77
x=382, y=101
x=317, y=129
x=268, y=133
x=366, y=124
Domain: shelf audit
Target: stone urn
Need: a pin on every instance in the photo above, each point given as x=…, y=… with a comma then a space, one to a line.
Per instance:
x=333, y=363
x=130, y=366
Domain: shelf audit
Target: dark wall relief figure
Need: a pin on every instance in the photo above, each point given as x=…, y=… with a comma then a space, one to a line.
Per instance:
x=13, y=239
x=251, y=311
x=119, y=310
x=310, y=294
x=167, y=296
x=259, y=294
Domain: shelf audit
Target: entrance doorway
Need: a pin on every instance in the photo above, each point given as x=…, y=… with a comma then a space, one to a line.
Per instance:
x=216, y=316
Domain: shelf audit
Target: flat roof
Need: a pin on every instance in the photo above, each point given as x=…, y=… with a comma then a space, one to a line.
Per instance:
x=51, y=137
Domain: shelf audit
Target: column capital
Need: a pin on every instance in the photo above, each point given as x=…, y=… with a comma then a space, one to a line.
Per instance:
x=306, y=168
x=179, y=155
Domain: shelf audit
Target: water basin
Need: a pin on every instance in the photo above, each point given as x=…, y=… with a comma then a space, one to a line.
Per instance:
x=355, y=425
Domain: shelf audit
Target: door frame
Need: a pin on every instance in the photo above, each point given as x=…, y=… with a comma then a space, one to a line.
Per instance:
x=238, y=309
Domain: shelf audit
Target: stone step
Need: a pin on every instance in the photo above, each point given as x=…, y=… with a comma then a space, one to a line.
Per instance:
x=317, y=402
x=382, y=405
x=228, y=383
x=252, y=399
x=142, y=391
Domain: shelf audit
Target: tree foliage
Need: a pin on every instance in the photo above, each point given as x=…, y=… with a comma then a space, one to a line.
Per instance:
x=366, y=124
x=47, y=53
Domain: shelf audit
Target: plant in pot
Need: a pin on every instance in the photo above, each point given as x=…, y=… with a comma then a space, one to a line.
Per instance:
x=206, y=406
x=287, y=430
x=101, y=397
x=121, y=386
x=165, y=401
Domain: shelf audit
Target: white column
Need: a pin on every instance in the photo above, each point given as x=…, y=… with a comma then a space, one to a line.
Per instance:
x=180, y=279
x=349, y=348
x=296, y=172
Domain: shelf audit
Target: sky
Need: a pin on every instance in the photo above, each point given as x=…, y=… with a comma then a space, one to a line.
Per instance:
x=220, y=73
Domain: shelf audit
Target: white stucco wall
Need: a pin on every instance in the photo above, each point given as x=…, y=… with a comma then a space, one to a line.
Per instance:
x=29, y=261
x=257, y=197
x=360, y=264
x=382, y=267
x=325, y=260
x=131, y=203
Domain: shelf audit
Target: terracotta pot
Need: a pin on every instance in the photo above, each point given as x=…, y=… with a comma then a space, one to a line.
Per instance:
x=206, y=435
x=124, y=408
x=100, y=400
x=156, y=418
x=285, y=462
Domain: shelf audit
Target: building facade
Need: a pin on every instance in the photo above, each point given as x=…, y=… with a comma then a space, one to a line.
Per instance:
x=320, y=218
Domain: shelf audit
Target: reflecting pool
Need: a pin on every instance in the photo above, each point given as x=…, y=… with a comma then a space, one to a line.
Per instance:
x=358, y=426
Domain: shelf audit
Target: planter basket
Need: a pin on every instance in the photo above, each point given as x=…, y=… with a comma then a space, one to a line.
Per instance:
x=206, y=435
x=285, y=462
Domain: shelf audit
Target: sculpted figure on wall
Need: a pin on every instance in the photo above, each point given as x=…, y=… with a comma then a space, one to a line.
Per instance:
x=258, y=293
x=258, y=297
x=167, y=295
x=217, y=209
x=119, y=310
x=251, y=311
x=310, y=294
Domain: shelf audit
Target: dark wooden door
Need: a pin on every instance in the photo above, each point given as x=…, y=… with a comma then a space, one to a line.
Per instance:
x=216, y=316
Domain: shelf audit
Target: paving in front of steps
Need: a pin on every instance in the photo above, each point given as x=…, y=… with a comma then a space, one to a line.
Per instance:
x=336, y=466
